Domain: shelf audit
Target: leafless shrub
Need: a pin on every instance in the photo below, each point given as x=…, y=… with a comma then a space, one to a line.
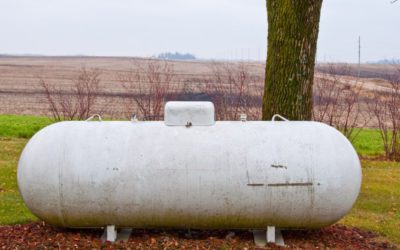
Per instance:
x=385, y=108
x=75, y=102
x=149, y=84
x=351, y=112
x=234, y=90
x=326, y=100
x=337, y=101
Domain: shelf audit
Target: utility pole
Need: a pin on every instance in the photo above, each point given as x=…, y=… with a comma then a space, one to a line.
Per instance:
x=359, y=56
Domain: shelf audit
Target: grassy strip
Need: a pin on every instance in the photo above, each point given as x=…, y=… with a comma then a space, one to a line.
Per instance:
x=378, y=206
x=369, y=143
x=12, y=208
x=17, y=126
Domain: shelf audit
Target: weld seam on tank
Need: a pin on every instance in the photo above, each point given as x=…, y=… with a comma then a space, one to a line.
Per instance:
x=61, y=195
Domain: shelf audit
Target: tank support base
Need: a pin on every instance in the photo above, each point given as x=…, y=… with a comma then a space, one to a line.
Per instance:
x=111, y=234
x=271, y=235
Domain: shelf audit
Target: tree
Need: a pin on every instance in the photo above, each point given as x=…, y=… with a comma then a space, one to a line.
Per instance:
x=293, y=27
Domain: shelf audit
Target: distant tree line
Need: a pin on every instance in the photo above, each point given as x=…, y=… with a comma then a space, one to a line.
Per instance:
x=176, y=56
x=388, y=61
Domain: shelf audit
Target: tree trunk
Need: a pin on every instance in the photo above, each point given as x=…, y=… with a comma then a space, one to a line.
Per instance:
x=293, y=27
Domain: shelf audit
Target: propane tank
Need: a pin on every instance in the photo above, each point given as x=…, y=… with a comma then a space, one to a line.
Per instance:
x=189, y=172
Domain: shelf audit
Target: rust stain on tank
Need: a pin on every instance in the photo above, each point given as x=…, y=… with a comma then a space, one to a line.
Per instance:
x=306, y=184
x=278, y=166
x=255, y=185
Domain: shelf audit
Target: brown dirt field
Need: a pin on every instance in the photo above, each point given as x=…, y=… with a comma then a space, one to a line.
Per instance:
x=20, y=92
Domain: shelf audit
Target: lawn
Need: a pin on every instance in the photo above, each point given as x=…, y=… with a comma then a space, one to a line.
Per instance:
x=16, y=126
x=377, y=209
x=369, y=143
x=378, y=206
x=12, y=208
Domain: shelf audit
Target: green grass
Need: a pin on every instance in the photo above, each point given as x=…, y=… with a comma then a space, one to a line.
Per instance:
x=14, y=131
x=378, y=206
x=369, y=143
x=14, y=126
x=377, y=209
x=12, y=208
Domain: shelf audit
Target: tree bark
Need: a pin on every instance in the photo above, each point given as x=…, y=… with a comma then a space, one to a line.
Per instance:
x=293, y=27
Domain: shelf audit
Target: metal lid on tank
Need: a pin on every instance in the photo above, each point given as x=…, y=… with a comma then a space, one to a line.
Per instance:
x=189, y=114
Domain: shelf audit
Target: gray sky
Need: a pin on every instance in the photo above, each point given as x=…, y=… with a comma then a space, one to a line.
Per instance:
x=231, y=29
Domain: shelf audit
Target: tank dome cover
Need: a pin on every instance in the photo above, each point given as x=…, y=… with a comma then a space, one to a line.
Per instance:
x=189, y=113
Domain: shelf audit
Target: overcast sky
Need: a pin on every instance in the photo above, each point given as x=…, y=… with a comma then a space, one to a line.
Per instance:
x=231, y=29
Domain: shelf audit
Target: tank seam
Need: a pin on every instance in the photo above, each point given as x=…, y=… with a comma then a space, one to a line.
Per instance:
x=60, y=194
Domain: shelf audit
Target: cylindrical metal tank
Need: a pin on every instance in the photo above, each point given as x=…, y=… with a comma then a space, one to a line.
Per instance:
x=225, y=175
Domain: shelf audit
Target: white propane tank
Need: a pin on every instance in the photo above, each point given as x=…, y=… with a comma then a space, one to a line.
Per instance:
x=189, y=172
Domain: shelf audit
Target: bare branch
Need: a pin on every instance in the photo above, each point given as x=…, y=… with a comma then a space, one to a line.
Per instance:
x=150, y=84
x=75, y=102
